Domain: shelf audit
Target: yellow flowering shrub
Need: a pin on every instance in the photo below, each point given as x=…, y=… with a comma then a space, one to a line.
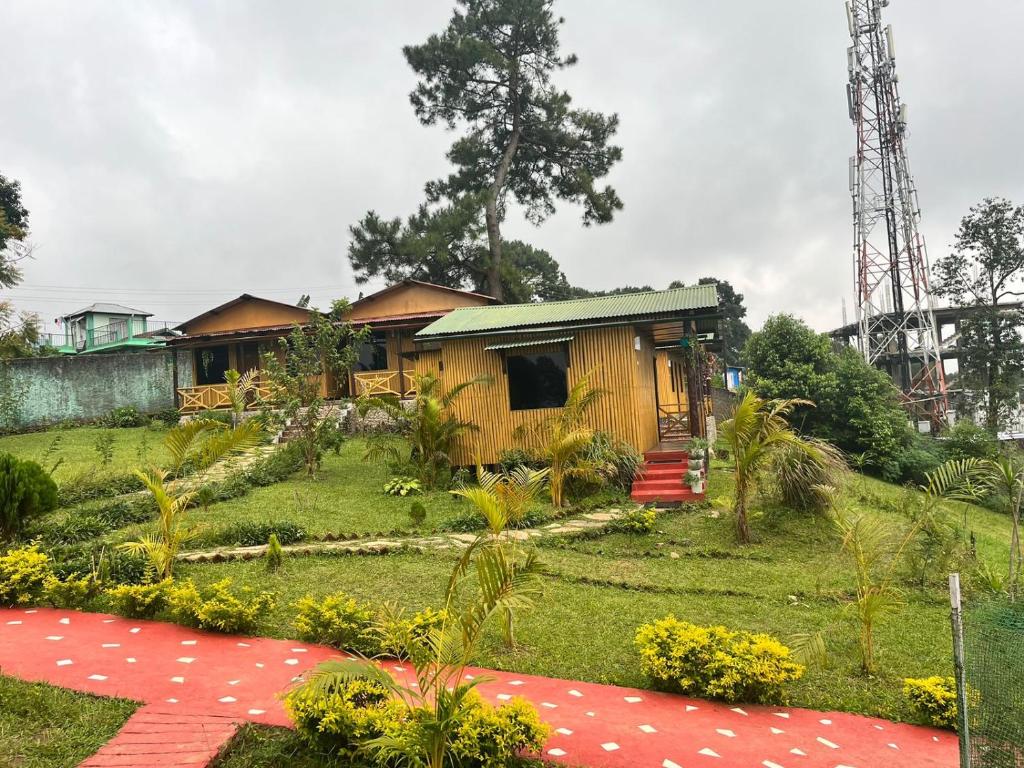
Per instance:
x=23, y=575
x=337, y=620
x=139, y=601
x=496, y=736
x=715, y=662
x=339, y=719
x=218, y=608
x=70, y=592
x=342, y=718
x=934, y=697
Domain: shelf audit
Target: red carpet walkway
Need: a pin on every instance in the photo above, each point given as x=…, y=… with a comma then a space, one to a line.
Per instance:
x=198, y=686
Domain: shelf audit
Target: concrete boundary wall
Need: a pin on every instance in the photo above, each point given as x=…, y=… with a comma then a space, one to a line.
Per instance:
x=38, y=391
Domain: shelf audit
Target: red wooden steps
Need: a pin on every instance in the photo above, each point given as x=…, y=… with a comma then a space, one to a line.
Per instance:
x=660, y=480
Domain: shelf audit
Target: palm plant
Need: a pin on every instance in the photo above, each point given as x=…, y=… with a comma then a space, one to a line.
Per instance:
x=564, y=438
x=162, y=549
x=502, y=499
x=876, y=550
x=240, y=386
x=441, y=694
x=199, y=444
x=806, y=479
x=430, y=429
x=1003, y=477
x=757, y=433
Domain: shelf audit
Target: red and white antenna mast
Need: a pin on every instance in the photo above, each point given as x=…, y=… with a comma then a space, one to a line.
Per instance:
x=897, y=329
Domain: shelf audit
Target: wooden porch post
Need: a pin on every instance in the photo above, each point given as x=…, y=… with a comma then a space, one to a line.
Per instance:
x=401, y=364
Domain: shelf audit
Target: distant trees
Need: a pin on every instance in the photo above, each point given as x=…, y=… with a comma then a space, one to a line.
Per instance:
x=985, y=270
x=19, y=333
x=489, y=74
x=858, y=406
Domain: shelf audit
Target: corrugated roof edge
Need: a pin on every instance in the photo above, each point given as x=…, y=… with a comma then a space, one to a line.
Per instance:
x=437, y=329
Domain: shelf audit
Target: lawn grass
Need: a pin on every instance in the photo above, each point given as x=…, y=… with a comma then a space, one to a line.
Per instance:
x=260, y=746
x=346, y=497
x=132, y=447
x=599, y=590
x=46, y=727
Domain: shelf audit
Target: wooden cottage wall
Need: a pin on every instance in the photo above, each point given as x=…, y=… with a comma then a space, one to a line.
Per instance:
x=627, y=411
x=646, y=394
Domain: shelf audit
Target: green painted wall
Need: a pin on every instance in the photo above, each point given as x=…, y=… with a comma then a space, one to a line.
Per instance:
x=45, y=390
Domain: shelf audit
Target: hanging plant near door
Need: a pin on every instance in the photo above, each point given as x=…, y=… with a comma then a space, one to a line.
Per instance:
x=205, y=358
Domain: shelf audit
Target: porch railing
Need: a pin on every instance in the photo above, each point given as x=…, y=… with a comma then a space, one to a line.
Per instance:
x=377, y=383
x=673, y=422
x=204, y=397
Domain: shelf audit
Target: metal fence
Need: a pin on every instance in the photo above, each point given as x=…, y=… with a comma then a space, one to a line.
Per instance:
x=990, y=678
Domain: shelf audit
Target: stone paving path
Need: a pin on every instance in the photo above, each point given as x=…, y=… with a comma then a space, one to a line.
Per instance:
x=198, y=686
x=376, y=544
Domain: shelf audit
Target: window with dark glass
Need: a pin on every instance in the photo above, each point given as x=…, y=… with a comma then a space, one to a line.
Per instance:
x=537, y=381
x=373, y=354
x=211, y=364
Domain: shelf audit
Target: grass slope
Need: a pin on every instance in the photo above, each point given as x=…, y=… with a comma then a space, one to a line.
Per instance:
x=599, y=590
x=346, y=497
x=77, y=447
x=46, y=727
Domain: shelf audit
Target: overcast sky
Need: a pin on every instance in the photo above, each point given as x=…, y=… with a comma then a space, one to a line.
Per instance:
x=176, y=154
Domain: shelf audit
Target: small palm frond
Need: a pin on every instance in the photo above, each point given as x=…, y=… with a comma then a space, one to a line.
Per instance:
x=224, y=442
x=951, y=480
x=809, y=649
x=331, y=675
x=185, y=440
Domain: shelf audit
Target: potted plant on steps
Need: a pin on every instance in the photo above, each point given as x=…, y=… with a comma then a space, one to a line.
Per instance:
x=695, y=481
x=697, y=449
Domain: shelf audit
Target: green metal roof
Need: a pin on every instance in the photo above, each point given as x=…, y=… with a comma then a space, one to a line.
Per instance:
x=475, y=320
x=533, y=343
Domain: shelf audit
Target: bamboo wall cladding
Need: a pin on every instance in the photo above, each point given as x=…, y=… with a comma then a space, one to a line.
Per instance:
x=627, y=410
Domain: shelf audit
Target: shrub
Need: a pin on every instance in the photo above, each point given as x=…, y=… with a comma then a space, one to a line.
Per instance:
x=139, y=601
x=217, y=607
x=73, y=529
x=640, y=520
x=620, y=459
x=337, y=620
x=402, y=486
x=211, y=414
x=417, y=513
x=169, y=417
x=338, y=718
x=806, y=475
x=92, y=485
x=921, y=455
x=251, y=533
x=124, y=512
x=965, y=440
x=342, y=717
x=510, y=459
x=275, y=555
x=933, y=697
x=395, y=634
x=125, y=416
x=23, y=575
x=26, y=491
x=278, y=466
x=495, y=736
x=715, y=662
x=72, y=592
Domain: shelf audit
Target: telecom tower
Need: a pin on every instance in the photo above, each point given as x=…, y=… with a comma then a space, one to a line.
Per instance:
x=896, y=327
